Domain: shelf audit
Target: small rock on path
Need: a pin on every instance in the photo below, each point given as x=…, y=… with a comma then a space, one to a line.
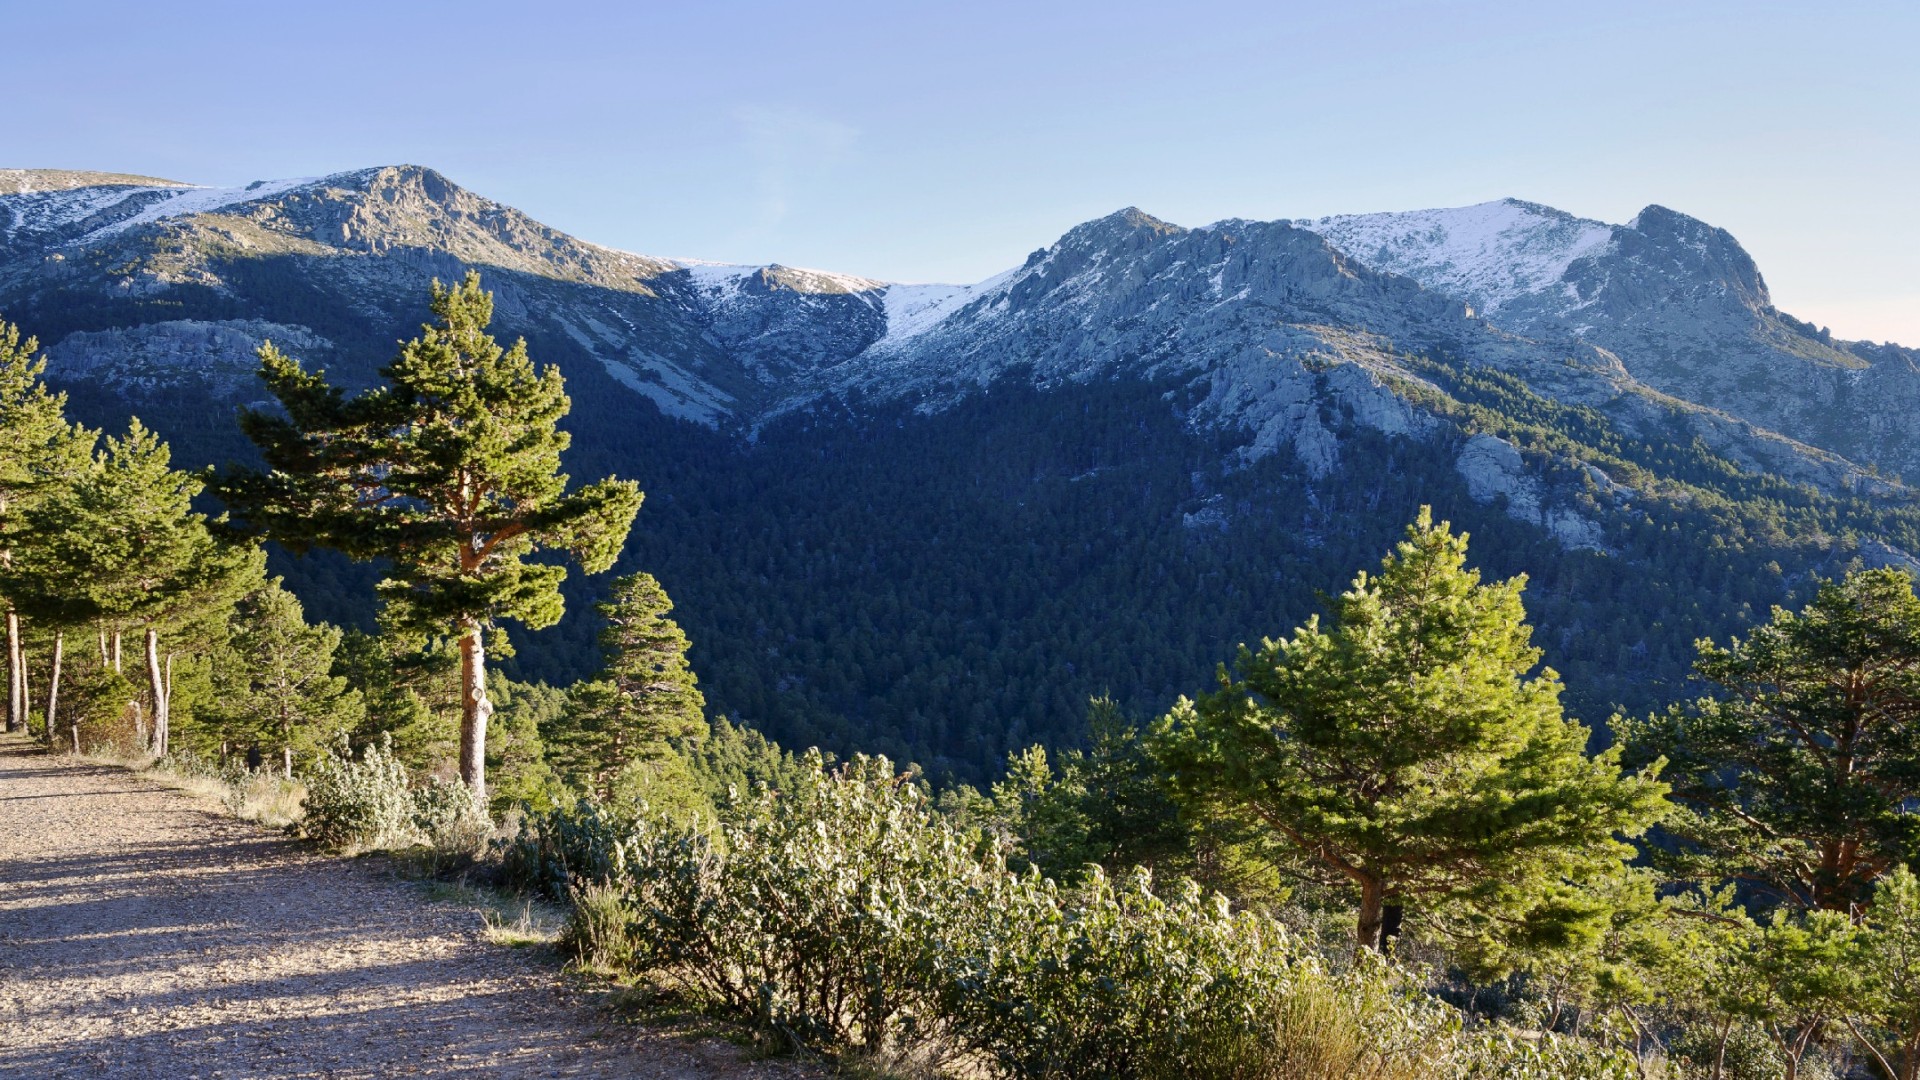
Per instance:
x=145, y=934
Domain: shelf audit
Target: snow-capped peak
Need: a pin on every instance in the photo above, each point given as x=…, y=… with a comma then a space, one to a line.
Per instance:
x=1487, y=254
x=727, y=277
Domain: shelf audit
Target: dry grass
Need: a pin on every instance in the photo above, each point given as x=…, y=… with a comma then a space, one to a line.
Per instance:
x=261, y=797
x=506, y=919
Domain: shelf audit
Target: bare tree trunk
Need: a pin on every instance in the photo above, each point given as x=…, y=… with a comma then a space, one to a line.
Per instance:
x=53, y=688
x=116, y=650
x=26, y=691
x=1373, y=904
x=475, y=710
x=16, y=676
x=167, y=733
x=159, y=744
x=104, y=658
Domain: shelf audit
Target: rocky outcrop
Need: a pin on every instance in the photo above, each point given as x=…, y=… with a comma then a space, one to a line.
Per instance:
x=217, y=358
x=1494, y=469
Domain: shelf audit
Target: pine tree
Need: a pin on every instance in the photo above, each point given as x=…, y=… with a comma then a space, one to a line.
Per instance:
x=643, y=703
x=1800, y=773
x=39, y=450
x=1406, y=754
x=275, y=680
x=136, y=556
x=451, y=473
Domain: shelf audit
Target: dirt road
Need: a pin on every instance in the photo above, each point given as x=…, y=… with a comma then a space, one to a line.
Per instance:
x=144, y=934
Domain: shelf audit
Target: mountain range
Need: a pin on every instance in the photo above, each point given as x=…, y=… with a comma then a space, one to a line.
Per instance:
x=931, y=519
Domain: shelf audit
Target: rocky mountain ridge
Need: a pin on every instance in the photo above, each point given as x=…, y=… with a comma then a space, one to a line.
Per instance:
x=1275, y=328
x=931, y=519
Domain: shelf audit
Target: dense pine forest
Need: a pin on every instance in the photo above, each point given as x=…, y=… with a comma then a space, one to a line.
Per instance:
x=1341, y=796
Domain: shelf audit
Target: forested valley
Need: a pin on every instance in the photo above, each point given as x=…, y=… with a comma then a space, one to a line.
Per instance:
x=1316, y=804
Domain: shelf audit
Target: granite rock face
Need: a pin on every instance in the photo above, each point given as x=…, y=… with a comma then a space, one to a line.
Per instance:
x=1679, y=302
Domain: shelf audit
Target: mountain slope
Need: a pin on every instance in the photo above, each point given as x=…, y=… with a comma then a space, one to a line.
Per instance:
x=932, y=519
x=1678, y=301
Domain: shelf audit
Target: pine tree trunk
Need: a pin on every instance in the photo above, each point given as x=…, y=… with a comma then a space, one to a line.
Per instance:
x=1373, y=905
x=166, y=742
x=116, y=651
x=53, y=687
x=26, y=691
x=16, y=676
x=159, y=744
x=104, y=658
x=475, y=710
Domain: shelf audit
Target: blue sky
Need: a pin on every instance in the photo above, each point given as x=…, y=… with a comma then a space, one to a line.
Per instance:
x=944, y=141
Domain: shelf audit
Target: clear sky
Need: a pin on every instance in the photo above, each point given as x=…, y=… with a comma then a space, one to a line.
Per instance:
x=923, y=141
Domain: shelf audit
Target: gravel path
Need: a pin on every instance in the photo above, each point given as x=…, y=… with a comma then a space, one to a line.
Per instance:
x=145, y=934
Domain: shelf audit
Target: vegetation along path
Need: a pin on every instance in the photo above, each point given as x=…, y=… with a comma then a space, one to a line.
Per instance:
x=143, y=934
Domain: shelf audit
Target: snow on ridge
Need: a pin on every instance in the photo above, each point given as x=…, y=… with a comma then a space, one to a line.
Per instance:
x=710, y=276
x=50, y=210
x=1488, y=254
x=913, y=310
x=45, y=211
x=202, y=200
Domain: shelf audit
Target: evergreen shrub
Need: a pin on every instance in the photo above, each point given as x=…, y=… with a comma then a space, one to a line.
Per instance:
x=556, y=852
x=816, y=913
x=359, y=805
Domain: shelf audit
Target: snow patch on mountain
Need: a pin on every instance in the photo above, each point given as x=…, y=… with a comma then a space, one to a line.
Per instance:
x=203, y=200
x=717, y=279
x=1488, y=254
x=912, y=310
x=47, y=211
x=52, y=211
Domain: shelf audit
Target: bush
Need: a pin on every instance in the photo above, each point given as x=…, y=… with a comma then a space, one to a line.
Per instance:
x=555, y=852
x=600, y=928
x=100, y=700
x=1120, y=982
x=815, y=916
x=359, y=805
x=845, y=915
x=447, y=816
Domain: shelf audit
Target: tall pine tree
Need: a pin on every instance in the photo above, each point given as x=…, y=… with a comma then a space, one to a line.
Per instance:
x=1407, y=755
x=1800, y=773
x=451, y=472
x=38, y=451
x=274, y=680
x=645, y=701
x=135, y=555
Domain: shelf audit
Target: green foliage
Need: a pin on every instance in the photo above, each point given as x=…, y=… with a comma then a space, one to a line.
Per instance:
x=1407, y=755
x=846, y=915
x=451, y=472
x=557, y=852
x=1122, y=982
x=734, y=758
x=1801, y=772
x=517, y=757
x=644, y=702
x=359, y=805
x=273, y=681
x=1883, y=1000
x=409, y=696
x=103, y=703
x=600, y=928
x=815, y=914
